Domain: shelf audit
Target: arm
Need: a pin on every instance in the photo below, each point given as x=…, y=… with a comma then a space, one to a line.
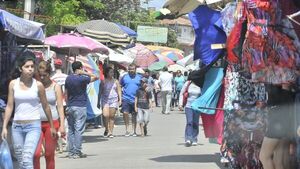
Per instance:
x=46, y=108
x=8, y=109
x=119, y=92
x=91, y=75
x=184, y=88
x=135, y=104
x=60, y=108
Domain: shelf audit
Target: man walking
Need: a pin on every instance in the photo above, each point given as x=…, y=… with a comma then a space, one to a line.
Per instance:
x=130, y=84
x=75, y=87
x=165, y=81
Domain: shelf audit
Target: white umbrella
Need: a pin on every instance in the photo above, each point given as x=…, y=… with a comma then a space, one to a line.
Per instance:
x=176, y=67
x=186, y=60
x=116, y=57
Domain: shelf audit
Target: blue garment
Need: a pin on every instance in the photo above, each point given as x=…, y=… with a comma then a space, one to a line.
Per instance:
x=210, y=92
x=208, y=30
x=130, y=86
x=25, y=137
x=179, y=82
x=76, y=89
x=76, y=125
x=192, y=125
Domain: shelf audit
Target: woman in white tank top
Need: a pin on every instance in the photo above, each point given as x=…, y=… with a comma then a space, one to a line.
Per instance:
x=54, y=98
x=27, y=95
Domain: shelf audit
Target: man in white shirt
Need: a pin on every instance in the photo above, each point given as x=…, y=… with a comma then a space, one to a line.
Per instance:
x=165, y=82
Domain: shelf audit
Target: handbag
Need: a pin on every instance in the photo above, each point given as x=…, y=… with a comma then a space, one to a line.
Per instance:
x=186, y=94
x=5, y=156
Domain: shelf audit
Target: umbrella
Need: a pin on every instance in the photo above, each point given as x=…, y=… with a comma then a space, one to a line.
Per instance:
x=163, y=48
x=127, y=30
x=208, y=31
x=116, y=57
x=104, y=32
x=165, y=59
x=171, y=53
x=176, y=67
x=156, y=66
x=143, y=56
x=186, y=60
x=76, y=41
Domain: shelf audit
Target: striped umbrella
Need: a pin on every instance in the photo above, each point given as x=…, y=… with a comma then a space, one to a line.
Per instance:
x=171, y=53
x=158, y=66
x=105, y=32
x=165, y=59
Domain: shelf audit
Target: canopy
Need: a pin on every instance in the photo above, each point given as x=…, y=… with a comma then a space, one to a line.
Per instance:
x=21, y=27
x=104, y=32
x=186, y=60
x=156, y=66
x=176, y=67
x=180, y=7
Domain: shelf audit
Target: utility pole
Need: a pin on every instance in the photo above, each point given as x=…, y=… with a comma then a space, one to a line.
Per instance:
x=29, y=9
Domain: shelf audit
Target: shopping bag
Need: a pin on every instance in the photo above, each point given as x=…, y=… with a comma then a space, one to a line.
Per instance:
x=5, y=156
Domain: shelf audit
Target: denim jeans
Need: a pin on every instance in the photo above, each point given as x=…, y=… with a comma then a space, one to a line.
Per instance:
x=76, y=122
x=192, y=125
x=25, y=140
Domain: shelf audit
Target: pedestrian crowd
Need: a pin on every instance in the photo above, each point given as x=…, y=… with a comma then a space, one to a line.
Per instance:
x=48, y=110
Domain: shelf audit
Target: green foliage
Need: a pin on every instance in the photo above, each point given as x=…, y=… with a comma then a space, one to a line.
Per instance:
x=172, y=39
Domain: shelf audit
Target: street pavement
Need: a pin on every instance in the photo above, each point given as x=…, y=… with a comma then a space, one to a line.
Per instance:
x=163, y=148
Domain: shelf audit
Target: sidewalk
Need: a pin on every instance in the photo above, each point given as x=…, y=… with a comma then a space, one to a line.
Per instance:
x=163, y=148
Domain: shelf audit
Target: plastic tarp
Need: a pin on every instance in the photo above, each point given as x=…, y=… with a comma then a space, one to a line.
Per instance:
x=127, y=30
x=21, y=27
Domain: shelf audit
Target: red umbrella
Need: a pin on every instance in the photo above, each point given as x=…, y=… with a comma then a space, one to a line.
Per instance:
x=76, y=41
x=143, y=56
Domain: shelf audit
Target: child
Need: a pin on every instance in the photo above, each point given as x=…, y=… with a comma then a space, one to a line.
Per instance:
x=142, y=105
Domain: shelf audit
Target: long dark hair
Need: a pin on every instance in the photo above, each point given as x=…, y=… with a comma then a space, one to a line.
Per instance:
x=21, y=60
x=106, y=71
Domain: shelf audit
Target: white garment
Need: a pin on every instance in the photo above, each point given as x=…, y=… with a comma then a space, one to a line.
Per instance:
x=60, y=78
x=51, y=98
x=27, y=102
x=165, y=81
x=194, y=92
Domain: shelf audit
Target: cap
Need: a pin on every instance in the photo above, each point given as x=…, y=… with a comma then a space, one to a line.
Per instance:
x=58, y=62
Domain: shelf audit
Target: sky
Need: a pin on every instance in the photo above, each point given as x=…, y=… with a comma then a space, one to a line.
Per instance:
x=154, y=3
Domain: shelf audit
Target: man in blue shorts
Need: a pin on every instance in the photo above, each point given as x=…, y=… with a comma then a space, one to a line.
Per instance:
x=130, y=84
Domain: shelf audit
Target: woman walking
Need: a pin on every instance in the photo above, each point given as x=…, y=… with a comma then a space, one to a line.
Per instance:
x=110, y=100
x=55, y=100
x=192, y=118
x=27, y=95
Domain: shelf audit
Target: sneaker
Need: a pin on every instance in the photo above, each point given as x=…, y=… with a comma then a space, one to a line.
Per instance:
x=134, y=134
x=111, y=136
x=127, y=134
x=188, y=143
x=145, y=131
x=105, y=133
x=194, y=143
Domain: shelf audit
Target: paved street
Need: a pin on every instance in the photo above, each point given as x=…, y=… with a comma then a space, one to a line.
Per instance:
x=163, y=148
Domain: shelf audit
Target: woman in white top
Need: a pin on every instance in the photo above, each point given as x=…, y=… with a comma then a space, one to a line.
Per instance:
x=27, y=95
x=54, y=98
x=192, y=117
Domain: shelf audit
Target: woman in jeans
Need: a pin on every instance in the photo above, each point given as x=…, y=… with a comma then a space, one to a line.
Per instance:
x=26, y=96
x=192, y=118
x=110, y=100
x=54, y=98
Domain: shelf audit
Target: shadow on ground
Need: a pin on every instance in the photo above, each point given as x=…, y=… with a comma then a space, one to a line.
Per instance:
x=93, y=139
x=201, y=158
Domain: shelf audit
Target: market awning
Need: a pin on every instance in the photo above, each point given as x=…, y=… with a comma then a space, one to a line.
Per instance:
x=21, y=27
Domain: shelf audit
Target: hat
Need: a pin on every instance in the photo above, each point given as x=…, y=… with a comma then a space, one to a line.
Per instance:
x=145, y=80
x=58, y=62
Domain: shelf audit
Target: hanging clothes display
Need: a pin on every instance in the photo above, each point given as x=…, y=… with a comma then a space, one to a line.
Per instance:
x=208, y=30
x=210, y=91
x=268, y=53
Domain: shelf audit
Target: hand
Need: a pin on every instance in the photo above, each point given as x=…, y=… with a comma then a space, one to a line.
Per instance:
x=4, y=133
x=62, y=130
x=136, y=110
x=53, y=132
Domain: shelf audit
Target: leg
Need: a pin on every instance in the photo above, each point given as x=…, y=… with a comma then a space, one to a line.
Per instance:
x=267, y=151
x=164, y=101
x=189, y=124
x=80, y=118
x=168, y=101
x=37, y=154
x=18, y=139
x=126, y=120
x=50, y=145
x=146, y=121
x=133, y=121
x=111, y=123
x=105, y=111
x=32, y=138
x=71, y=132
x=195, y=122
x=281, y=155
